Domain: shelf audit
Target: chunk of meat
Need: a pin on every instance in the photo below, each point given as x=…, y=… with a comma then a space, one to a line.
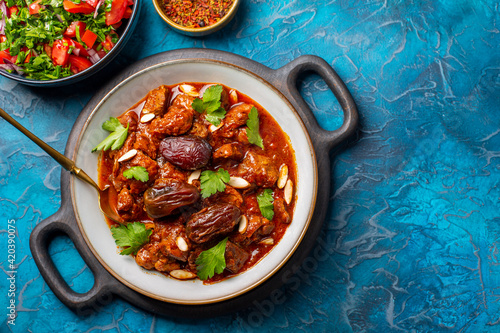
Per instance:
x=237, y=116
x=146, y=143
x=235, y=257
x=176, y=121
x=157, y=101
x=183, y=101
x=125, y=201
x=212, y=222
x=129, y=118
x=147, y=255
x=166, y=265
x=258, y=228
x=199, y=128
x=169, y=245
x=135, y=186
x=233, y=151
x=280, y=211
x=258, y=169
x=168, y=170
x=229, y=196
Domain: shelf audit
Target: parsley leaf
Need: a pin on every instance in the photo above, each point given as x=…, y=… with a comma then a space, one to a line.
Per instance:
x=253, y=128
x=116, y=138
x=212, y=261
x=265, y=201
x=211, y=105
x=137, y=172
x=132, y=236
x=213, y=182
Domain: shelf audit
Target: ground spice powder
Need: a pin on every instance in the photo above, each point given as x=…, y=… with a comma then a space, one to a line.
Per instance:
x=196, y=13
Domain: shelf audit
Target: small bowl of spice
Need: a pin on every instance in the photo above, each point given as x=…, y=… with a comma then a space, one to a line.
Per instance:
x=196, y=17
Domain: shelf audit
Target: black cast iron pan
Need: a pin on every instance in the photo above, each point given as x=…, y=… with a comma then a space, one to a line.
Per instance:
x=106, y=286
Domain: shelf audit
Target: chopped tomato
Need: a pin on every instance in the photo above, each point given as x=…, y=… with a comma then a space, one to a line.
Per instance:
x=35, y=7
x=5, y=55
x=78, y=64
x=108, y=42
x=117, y=25
x=60, y=50
x=89, y=38
x=117, y=11
x=71, y=30
x=78, y=8
x=12, y=10
x=3, y=38
x=48, y=49
x=28, y=54
x=93, y=3
x=130, y=2
x=101, y=53
x=79, y=50
x=128, y=13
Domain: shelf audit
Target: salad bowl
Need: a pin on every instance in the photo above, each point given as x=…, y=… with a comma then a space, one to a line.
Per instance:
x=84, y=61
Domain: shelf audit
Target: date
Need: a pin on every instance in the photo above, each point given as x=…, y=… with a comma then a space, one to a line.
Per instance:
x=186, y=152
x=212, y=222
x=167, y=195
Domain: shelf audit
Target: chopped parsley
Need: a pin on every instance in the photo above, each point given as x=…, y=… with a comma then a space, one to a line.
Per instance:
x=131, y=237
x=212, y=261
x=211, y=105
x=138, y=173
x=116, y=138
x=266, y=206
x=253, y=134
x=213, y=182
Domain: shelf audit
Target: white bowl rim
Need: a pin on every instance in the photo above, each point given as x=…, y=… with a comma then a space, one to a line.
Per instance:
x=283, y=260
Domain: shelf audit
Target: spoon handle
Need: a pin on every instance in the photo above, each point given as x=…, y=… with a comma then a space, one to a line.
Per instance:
x=65, y=162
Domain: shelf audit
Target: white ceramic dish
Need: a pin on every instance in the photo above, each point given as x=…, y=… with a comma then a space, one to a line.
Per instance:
x=94, y=228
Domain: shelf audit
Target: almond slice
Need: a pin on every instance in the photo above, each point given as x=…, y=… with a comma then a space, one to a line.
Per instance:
x=267, y=241
x=242, y=224
x=283, y=176
x=233, y=97
x=214, y=128
x=193, y=176
x=238, y=182
x=128, y=155
x=182, y=274
x=189, y=90
x=288, y=192
x=181, y=244
x=147, y=117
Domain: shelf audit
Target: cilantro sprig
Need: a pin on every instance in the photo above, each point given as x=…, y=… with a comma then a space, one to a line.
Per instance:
x=137, y=172
x=211, y=105
x=211, y=261
x=265, y=200
x=253, y=134
x=131, y=237
x=213, y=182
x=116, y=138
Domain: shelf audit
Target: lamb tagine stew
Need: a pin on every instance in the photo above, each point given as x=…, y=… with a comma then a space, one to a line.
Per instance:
x=204, y=178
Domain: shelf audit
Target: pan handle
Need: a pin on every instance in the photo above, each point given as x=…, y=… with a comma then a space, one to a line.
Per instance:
x=286, y=78
x=81, y=303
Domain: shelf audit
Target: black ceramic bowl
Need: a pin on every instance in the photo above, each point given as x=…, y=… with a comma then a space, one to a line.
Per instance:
x=125, y=31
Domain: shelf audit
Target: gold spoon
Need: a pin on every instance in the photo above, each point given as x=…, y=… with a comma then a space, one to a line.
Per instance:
x=104, y=195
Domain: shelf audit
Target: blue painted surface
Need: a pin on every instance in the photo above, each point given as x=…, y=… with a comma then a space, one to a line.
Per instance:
x=413, y=227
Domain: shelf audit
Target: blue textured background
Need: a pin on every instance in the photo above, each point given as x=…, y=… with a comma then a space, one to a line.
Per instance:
x=413, y=229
